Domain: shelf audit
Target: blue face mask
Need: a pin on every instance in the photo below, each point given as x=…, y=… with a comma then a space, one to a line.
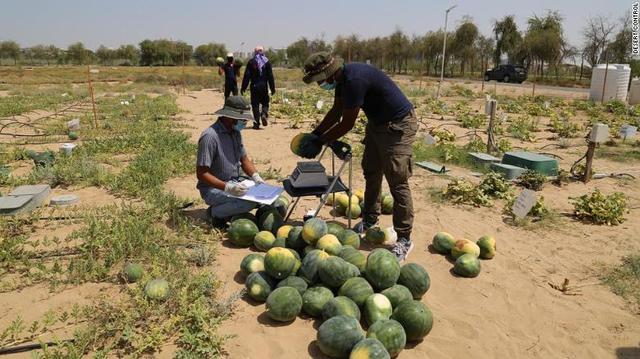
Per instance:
x=240, y=125
x=327, y=86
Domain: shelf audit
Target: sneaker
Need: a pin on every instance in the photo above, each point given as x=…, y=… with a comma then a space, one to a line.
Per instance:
x=402, y=249
x=256, y=125
x=263, y=118
x=361, y=228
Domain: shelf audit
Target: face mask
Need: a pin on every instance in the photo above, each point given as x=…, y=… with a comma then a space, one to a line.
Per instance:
x=240, y=125
x=327, y=86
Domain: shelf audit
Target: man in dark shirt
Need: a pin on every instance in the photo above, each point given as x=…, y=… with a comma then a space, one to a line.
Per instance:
x=231, y=73
x=389, y=136
x=260, y=74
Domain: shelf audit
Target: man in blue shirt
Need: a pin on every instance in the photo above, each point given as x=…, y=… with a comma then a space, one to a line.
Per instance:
x=222, y=160
x=389, y=136
x=231, y=72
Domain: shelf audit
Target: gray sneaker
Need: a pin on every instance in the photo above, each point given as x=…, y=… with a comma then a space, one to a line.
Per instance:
x=361, y=227
x=402, y=248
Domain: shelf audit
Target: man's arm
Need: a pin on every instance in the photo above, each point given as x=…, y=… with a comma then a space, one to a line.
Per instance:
x=203, y=174
x=331, y=118
x=247, y=165
x=246, y=78
x=349, y=116
x=272, y=83
x=220, y=72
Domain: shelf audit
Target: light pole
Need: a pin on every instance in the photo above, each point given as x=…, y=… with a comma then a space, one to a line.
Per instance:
x=444, y=49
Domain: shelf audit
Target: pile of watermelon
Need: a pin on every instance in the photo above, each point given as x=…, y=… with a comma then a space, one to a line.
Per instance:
x=317, y=270
x=465, y=252
x=355, y=208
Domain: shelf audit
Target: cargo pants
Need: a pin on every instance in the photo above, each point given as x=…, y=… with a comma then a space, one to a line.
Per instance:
x=388, y=150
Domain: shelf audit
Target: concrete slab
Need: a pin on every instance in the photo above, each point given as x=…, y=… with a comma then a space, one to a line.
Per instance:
x=39, y=193
x=483, y=158
x=509, y=171
x=64, y=200
x=11, y=205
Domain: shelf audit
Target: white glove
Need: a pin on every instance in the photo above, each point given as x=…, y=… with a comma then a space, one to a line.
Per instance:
x=235, y=189
x=257, y=179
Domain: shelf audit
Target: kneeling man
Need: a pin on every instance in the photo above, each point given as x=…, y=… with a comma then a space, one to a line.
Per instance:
x=222, y=162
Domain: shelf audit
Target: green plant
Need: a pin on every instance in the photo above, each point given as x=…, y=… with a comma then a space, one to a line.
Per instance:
x=533, y=180
x=494, y=185
x=562, y=178
x=522, y=127
x=624, y=279
x=443, y=135
x=468, y=120
x=475, y=145
x=504, y=145
x=599, y=208
x=462, y=191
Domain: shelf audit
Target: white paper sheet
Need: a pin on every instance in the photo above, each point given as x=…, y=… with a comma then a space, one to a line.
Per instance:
x=256, y=194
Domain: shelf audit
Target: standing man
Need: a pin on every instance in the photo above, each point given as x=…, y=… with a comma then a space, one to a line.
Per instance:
x=222, y=160
x=389, y=136
x=231, y=73
x=260, y=74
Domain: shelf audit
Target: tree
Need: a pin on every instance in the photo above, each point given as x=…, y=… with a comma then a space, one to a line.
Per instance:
x=619, y=50
x=277, y=57
x=544, y=39
x=129, y=53
x=105, y=55
x=463, y=42
x=508, y=39
x=596, y=33
x=398, y=50
x=298, y=52
x=205, y=55
x=10, y=50
x=77, y=54
x=181, y=53
x=485, y=47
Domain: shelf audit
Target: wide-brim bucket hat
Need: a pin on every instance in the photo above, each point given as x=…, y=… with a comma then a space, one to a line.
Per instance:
x=319, y=66
x=236, y=107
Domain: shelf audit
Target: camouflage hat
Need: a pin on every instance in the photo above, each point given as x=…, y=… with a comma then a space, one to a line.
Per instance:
x=236, y=107
x=319, y=66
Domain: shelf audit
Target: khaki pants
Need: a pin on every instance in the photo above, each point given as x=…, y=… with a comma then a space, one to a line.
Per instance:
x=388, y=150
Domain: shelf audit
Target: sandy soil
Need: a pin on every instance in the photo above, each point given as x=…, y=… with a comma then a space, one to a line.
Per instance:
x=508, y=311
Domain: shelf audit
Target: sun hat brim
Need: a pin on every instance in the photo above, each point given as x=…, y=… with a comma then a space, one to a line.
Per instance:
x=323, y=73
x=235, y=113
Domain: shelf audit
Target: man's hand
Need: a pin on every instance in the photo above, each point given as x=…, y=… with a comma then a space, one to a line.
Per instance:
x=257, y=178
x=311, y=148
x=235, y=189
x=273, y=92
x=341, y=149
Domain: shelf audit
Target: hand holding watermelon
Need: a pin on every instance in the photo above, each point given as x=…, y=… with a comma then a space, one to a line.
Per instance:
x=306, y=145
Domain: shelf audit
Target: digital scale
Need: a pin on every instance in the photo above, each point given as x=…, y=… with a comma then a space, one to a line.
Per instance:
x=309, y=174
x=310, y=178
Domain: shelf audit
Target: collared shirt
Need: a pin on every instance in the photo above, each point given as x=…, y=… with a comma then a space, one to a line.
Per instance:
x=369, y=88
x=230, y=72
x=220, y=150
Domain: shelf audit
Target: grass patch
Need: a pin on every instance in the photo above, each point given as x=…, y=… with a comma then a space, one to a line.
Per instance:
x=624, y=279
x=444, y=152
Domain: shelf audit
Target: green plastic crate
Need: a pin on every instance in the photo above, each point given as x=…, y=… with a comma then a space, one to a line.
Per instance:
x=540, y=163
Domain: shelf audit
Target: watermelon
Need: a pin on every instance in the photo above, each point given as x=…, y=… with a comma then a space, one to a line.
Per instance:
x=360, y=194
x=342, y=200
x=357, y=289
x=283, y=232
x=219, y=61
x=397, y=294
x=354, y=257
x=443, y=242
x=310, y=265
x=334, y=271
x=415, y=318
x=133, y=272
x=335, y=228
x=298, y=264
x=269, y=219
x=73, y=135
x=464, y=246
x=307, y=249
x=350, y=238
x=314, y=299
x=281, y=204
x=306, y=145
x=264, y=240
x=467, y=265
x=382, y=269
x=249, y=216
x=241, y=232
x=352, y=212
x=340, y=305
x=369, y=348
x=294, y=238
x=330, y=244
x=338, y=335
x=294, y=282
x=313, y=229
x=390, y=333
x=252, y=263
x=381, y=236
x=280, y=242
x=332, y=198
x=284, y=304
x=377, y=307
x=387, y=204
x=487, y=246
x=259, y=285
x=279, y=262
x=157, y=289
x=415, y=278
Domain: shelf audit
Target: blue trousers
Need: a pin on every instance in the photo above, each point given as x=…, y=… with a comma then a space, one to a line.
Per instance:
x=223, y=205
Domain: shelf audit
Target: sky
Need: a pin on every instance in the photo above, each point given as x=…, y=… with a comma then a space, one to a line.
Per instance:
x=274, y=23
